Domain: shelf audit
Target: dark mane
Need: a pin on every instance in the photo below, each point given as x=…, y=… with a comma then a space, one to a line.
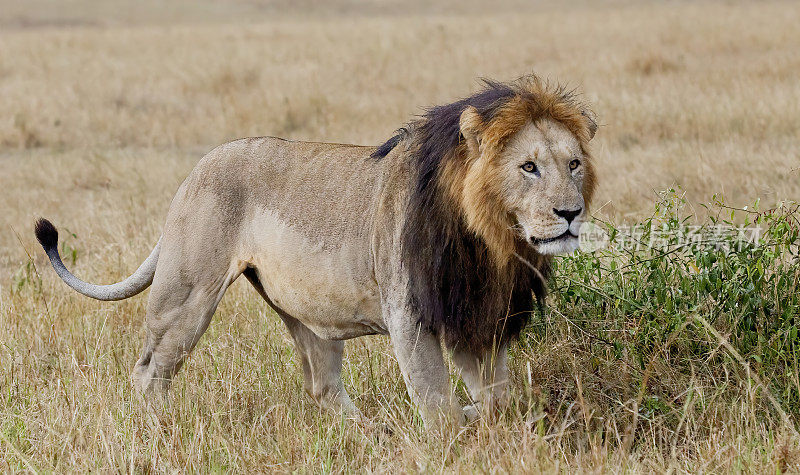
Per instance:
x=390, y=144
x=454, y=287
x=440, y=123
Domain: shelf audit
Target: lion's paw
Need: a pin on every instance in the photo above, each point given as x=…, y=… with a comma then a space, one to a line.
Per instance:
x=472, y=412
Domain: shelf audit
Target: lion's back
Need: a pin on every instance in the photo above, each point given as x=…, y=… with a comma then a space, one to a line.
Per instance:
x=323, y=190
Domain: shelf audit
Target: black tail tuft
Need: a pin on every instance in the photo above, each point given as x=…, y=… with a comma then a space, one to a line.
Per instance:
x=46, y=233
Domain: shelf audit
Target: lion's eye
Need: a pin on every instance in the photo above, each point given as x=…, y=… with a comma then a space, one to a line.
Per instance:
x=574, y=164
x=529, y=167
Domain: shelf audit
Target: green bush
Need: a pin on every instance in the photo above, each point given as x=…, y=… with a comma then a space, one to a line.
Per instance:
x=718, y=296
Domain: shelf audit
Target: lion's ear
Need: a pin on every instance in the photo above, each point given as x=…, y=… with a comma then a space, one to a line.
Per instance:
x=471, y=125
x=591, y=122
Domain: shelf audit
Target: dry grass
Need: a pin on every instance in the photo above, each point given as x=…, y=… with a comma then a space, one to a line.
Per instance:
x=101, y=120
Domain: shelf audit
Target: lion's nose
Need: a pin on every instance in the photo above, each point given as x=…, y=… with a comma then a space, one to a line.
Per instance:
x=568, y=214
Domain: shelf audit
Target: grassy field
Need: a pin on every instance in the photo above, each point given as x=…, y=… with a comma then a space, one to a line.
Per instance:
x=644, y=361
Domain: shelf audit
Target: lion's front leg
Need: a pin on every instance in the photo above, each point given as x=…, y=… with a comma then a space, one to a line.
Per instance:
x=427, y=378
x=486, y=376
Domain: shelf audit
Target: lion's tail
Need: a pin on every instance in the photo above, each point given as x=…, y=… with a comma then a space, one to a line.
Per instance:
x=47, y=235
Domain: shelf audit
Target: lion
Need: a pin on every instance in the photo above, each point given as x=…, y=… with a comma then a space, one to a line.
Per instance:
x=441, y=238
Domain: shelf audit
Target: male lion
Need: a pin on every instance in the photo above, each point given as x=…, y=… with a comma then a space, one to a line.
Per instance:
x=440, y=236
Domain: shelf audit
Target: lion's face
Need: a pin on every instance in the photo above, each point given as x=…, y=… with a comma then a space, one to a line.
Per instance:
x=542, y=172
x=528, y=174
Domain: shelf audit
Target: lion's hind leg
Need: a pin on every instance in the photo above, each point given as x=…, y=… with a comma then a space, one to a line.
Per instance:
x=322, y=368
x=321, y=360
x=182, y=301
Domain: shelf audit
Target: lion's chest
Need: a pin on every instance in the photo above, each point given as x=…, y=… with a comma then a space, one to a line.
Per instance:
x=330, y=288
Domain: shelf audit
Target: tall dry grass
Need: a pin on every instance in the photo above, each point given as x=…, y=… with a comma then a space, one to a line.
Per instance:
x=100, y=121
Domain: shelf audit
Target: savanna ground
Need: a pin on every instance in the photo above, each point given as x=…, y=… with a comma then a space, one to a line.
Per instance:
x=684, y=360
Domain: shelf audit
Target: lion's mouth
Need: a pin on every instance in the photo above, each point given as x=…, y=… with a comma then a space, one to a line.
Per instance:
x=566, y=235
